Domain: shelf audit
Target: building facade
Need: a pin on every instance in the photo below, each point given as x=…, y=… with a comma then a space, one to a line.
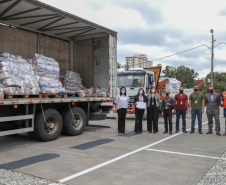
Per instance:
x=137, y=61
x=198, y=82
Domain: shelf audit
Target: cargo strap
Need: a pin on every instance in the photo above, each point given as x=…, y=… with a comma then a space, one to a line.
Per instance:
x=71, y=112
x=43, y=114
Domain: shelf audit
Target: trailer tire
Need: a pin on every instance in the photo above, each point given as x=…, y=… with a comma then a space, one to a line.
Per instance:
x=49, y=129
x=106, y=108
x=98, y=116
x=76, y=126
x=95, y=107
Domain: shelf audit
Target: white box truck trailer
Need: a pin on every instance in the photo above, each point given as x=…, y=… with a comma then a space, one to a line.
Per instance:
x=28, y=27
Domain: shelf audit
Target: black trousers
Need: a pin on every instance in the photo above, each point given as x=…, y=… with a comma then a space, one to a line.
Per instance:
x=152, y=118
x=139, y=113
x=121, y=120
x=168, y=117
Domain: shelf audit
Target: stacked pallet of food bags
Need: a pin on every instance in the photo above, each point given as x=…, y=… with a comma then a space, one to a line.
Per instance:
x=17, y=75
x=72, y=82
x=47, y=71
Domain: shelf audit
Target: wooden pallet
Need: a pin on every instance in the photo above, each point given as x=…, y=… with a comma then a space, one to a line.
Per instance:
x=46, y=95
x=34, y=96
x=12, y=96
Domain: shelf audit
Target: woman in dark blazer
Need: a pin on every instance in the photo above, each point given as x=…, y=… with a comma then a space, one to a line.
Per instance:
x=139, y=113
x=152, y=110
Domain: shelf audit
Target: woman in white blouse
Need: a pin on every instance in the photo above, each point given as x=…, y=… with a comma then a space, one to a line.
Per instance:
x=122, y=101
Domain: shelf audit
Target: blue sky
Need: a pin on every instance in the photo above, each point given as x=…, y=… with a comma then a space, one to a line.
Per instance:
x=160, y=28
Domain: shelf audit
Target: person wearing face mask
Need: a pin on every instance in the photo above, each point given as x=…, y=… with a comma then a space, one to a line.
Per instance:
x=213, y=101
x=139, y=113
x=122, y=101
x=224, y=107
x=196, y=107
x=181, y=108
x=166, y=108
x=153, y=100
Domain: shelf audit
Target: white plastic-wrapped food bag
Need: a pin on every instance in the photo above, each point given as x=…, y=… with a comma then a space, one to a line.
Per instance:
x=72, y=82
x=81, y=93
x=47, y=71
x=17, y=74
x=49, y=90
x=12, y=90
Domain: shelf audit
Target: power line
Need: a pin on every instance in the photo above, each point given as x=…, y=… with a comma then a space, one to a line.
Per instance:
x=180, y=52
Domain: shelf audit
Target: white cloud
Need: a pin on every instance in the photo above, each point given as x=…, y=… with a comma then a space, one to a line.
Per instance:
x=176, y=25
x=106, y=14
x=195, y=15
x=220, y=53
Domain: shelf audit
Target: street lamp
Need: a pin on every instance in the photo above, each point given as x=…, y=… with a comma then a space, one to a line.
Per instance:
x=212, y=55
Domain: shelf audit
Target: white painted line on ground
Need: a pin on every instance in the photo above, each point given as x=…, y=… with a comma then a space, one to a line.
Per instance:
x=57, y=150
x=114, y=160
x=118, y=158
x=179, y=153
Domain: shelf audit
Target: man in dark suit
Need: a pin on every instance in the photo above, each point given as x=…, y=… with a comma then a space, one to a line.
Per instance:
x=213, y=101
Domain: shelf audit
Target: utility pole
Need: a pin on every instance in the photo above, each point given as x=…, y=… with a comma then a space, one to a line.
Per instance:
x=212, y=55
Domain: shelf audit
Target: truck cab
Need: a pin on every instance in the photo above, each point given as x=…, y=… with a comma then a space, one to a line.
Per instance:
x=134, y=79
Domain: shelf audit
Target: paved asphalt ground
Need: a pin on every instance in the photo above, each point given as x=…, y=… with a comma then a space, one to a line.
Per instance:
x=100, y=156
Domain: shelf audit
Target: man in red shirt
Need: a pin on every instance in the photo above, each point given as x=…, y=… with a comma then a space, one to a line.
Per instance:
x=181, y=108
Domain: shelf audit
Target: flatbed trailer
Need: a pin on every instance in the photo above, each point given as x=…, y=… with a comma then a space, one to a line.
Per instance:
x=52, y=100
x=45, y=118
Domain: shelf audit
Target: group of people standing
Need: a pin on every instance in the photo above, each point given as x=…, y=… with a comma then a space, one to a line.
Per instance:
x=181, y=106
x=152, y=101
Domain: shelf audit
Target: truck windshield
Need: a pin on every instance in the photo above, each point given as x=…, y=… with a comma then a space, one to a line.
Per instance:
x=131, y=80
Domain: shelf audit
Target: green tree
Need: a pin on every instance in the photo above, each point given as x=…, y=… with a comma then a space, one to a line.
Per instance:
x=182, y=73
x=118, y=65
x=126, y=67
x=219, y=83
x=203, y=87
x=186, y=76
x=170, y=71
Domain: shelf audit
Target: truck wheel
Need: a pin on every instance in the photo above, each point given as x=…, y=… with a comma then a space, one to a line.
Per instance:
x=74, y=121
x=49, y=129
